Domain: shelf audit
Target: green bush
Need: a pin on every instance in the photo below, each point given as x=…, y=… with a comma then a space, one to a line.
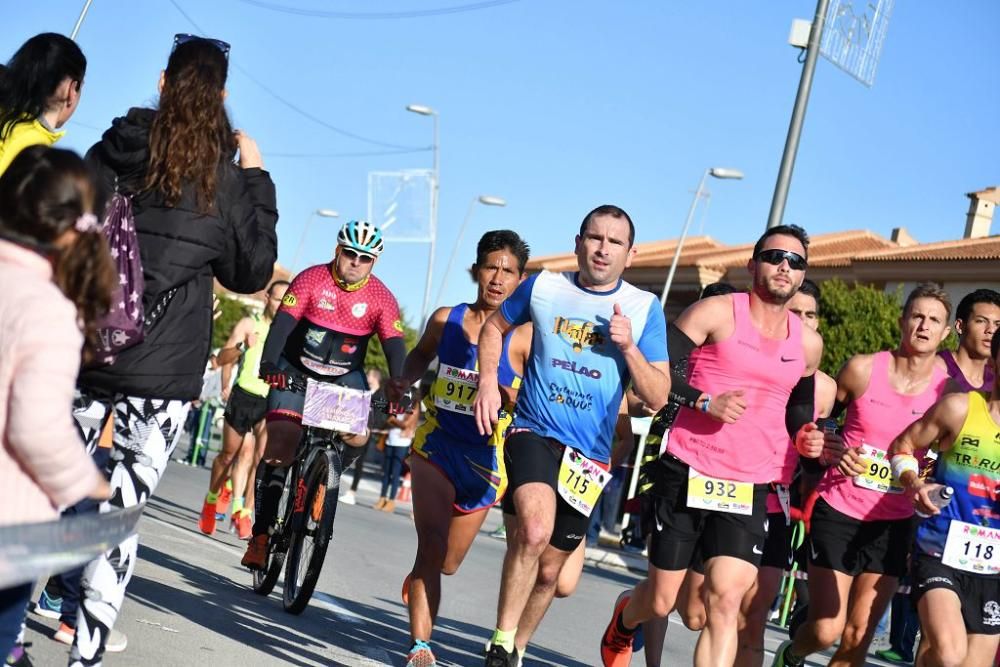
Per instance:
x=375, y=357
x=856, y=319
x=232, y=312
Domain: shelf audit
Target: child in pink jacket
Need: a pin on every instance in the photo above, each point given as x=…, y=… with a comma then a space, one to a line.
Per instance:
x=56, y=277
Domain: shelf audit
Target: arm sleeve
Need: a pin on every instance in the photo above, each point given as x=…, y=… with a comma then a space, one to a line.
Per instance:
x=247, y=262
x=40, y=430
x=681, y=347
x=281, y=328
x=517, y=308
x=799, y=411
x=395, y=354
x=653, y=341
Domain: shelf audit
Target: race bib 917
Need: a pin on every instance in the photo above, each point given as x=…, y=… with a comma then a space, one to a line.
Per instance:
x=455, y=389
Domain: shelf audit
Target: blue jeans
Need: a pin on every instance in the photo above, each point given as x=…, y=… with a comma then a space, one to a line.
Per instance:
x=392, y=466
x=904, y=626
x=13, y=606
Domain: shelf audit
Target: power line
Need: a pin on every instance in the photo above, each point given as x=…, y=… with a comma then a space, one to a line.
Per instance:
x=297, y=109
x=411, y=14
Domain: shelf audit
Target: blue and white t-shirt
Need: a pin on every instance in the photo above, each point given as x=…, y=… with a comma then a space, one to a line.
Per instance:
x=576, y=376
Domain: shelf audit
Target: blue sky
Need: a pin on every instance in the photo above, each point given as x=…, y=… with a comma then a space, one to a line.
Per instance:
x=560, y=105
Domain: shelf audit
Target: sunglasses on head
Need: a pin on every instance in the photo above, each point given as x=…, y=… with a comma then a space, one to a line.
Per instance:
x=796, y=262
x=184, y=38
x=360, y=256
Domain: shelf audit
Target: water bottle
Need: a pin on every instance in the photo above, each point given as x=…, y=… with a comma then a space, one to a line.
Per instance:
x=939, y=497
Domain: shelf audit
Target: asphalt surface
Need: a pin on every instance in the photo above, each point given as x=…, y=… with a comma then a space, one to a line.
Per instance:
x=190, y=601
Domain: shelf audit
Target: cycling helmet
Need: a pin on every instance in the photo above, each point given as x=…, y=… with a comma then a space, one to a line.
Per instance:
x=362, y=236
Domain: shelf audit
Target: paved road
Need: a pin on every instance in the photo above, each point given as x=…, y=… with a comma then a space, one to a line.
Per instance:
x=190, y=603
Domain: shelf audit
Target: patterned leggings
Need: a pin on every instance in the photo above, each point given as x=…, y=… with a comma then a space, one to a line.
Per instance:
x=146, y=431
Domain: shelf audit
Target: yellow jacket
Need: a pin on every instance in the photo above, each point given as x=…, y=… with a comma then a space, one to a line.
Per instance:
x=22, y=135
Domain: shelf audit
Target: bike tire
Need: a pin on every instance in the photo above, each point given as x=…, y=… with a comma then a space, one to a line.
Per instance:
x=308, y=546
x=264, y=580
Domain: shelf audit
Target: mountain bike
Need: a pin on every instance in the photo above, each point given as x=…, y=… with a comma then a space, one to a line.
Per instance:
x=303, y=526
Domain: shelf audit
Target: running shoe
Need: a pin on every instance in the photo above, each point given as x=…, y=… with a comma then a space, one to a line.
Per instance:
x=406, y=589
x=421, y=655
x=500, y=533
x=891, y=656
x=48, y=606
x=498, y=656
x=616, y=647
x=206, y=523
x=65, y=634
x=349, y=498
x=781, y=660
x=225, y=497
x=117, y=642
x=244, y=525
x=18, y=656
x=256, y=556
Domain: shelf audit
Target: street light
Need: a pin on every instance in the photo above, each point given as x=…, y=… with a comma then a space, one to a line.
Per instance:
x=427, y=111
x=716, y=172
x=321, y=212
x=485, y=200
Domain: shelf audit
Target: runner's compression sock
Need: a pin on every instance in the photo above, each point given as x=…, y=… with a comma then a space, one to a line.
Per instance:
x=620, y=625
x=269, y=497
x=237, y=505
x=211, y=498
x=504, y=638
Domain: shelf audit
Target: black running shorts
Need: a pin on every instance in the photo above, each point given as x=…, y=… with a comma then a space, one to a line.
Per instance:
x=678, y=530
x=244, y=410
x=528, y=457
x=979, y=594
x=845, y=544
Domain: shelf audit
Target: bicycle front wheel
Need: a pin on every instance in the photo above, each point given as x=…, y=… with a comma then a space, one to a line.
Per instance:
x=308, y=544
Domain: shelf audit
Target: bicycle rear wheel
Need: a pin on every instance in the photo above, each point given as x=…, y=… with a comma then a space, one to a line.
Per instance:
x=307, y=549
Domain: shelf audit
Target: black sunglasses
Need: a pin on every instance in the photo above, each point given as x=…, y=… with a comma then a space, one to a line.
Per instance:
x=360, y=256
x=184, y=38
x=796, y=262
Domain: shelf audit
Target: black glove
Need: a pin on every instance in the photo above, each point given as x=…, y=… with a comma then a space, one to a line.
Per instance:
x=272, y=375
x=403, y=405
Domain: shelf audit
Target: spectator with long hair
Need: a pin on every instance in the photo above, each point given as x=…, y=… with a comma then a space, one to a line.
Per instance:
x=198, y=216
x=40, y=89
x=58, y=277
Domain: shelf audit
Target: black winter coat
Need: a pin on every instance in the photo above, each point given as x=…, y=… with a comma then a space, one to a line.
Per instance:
x=182, y=248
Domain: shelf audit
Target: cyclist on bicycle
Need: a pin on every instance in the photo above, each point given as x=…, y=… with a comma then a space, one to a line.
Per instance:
x=321, y=331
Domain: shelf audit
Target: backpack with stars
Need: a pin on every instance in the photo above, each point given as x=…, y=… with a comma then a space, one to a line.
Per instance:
x=125, y=323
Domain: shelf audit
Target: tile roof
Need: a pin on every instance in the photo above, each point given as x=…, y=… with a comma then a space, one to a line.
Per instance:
x=961, y=249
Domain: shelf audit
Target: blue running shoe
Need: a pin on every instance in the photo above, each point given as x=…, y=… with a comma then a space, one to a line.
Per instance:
x=49, y=607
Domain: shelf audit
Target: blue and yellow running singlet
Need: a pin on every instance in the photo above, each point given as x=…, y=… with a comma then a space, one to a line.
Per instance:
x=449, y=438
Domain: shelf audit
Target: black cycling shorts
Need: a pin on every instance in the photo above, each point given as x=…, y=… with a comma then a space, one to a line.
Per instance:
x=678, y=532
x=244, y=410
x=529, y=457
x=979, y=594
x=285, y=405
x=845, y=544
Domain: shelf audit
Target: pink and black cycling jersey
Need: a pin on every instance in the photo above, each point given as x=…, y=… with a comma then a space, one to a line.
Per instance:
x=333, y=325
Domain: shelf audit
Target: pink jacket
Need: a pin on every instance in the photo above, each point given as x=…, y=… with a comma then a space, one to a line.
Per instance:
x=43, y=462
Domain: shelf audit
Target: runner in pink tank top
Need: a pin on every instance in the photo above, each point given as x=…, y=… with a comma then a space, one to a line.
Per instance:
x=874, y=419
x=765, y=370
x=753, y=374
x=861, y=529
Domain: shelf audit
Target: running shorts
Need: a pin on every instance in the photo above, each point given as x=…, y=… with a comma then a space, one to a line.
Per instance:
x=778, y=544
x=475, y=471
x=845, y=544
x=244, y=410
x=979, y=594
x=677, y=531
x=529, y=458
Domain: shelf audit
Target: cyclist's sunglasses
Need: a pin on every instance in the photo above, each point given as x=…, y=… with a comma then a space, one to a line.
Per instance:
x=796, y=262
x=184, y=38
x=360, y=256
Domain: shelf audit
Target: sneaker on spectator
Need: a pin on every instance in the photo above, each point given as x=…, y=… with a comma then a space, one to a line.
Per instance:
x=500, y=533
x=48, y=606
x=65, y=634
x=117, y=641
x=348, y=498
x=18, y=656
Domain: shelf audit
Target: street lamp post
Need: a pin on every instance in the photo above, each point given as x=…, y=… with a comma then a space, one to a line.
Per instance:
x=321, y=212
x=485, y=200
x=716, y=172
x=427, y=111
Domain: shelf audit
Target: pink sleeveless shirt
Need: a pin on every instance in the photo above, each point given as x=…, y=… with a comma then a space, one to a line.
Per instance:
x=756, y=448
x=875, y=419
